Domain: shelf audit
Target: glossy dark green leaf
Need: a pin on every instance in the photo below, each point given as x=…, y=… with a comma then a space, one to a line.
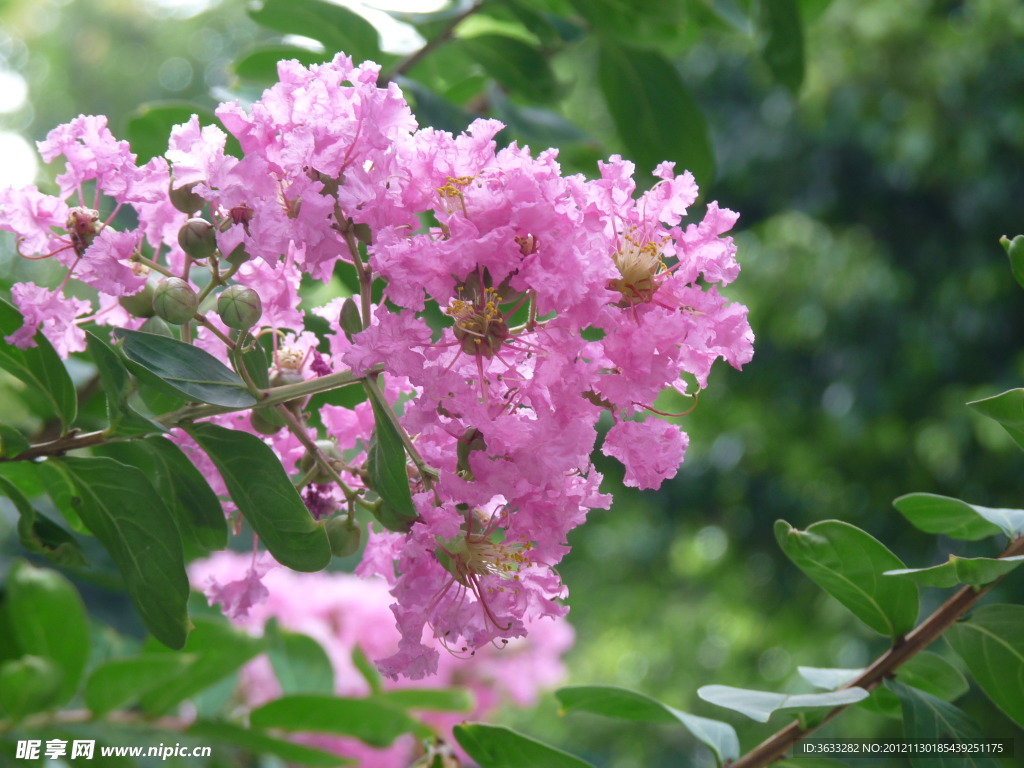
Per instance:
x=493, y=746
x=40, y=535
x=761, y=705
x=300, y=663
x=124, y=420
x=370, y=720
x=433, y=110
x=188, y=370
x=517, y=65
x=928, y=717
x=40, y=367
x=387, y=468
x=48, y=619
x=261, y=64
x=947, y=516
x=849, y=564
x=148, y=127
x=119, y=682
x=656, y=117
x=783, y=41
x=62, y=493
x=991, y=643
x=122, y=509
x=532, y=125
x=1007, y=409
x=260, y=743
x=338, y=28
x=265, y=496
x=217, y=650
x=435, y=699
x=611, y=701
x=975, y=571
x=28, y=685
x=12, y=442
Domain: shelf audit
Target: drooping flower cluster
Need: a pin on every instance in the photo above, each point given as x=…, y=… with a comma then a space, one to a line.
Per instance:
x=519, y=306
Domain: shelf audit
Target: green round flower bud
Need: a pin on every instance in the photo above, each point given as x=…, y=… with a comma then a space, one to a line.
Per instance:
x=139, y=304
x=239, y=307
x=266, y=421
x=175, y=301
x=185, y=199
x=344, y=536
x=198, y=239
x=308, y=464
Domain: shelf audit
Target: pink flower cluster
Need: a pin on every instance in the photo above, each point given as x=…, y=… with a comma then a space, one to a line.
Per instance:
x=343, y=612
x=520, y=305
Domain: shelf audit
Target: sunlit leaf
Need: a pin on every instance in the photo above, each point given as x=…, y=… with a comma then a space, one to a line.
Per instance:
x=761, y=705
x=493, y=746
x=975, y=571
x=944, y=515
x=261, y=64
x=1007, y=409
x=338, y=28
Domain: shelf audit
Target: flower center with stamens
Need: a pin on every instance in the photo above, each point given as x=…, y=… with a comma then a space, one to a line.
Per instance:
x=639, y=264
x=83, y=224
x=479, y=325
x=467, y=557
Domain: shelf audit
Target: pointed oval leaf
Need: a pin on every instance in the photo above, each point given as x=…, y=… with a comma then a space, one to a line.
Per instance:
x=124, y=420
x=828, y=678
x=186, y=369
x=1007, y=409
x=266, y=497
x=654, y=114
x=119, y=682
x=12, y=442
x=975, y=571
x=386, y=467
x=929, y=717
x=991, y=643
x=761, y=705
x=48, y=620
x=40, y=367
x=944, y=515
x=517, y=65
x=122, y=509
x=261, y=63
x=434, y=699
x=848, y=564
x=29, y=684
x=40, y=535
x=339, y=29
x=494, y=746
x=370, y=720
x=612, y=701
x=783, y=47
x=300, y=663
x=260, y=743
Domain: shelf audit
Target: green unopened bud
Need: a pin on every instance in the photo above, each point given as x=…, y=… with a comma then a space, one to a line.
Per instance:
x=156, y=325
x=175, y=301
x=139, y=304
x=198, y=239
x=266, y=421
x=344, y=536
x=185, y=199
x=1015, y=250
x=239, y=306
x=350, y=321
x=319, y=475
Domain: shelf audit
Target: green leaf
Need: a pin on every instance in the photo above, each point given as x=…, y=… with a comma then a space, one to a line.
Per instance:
x=260, y=743
x=848, y=564
x=436, y=699
x=494, y=746
x=386, y=467
x=265, y=496
x=533, y=125
x=12, y=442
x=124, y=420
x=928, y=717
x=194, y=506
x=122, y=509
x=654, y=114
x=148, y=127
x=991, y=643
x=120, y=682
x=29, y=684
x=40, y=367
x=40, y=535
x=1007, y=409
x=947, y=516
x=186, y=369
x=975, y=571
x=370, y=720
x=339, y=29
x=48, y=619
x=520, y=67
x=217, y=650
x=612, y=701
x=367, y=669
x=761, y=705
x=1015, y=251
x=260, y=64
x=300, y=663
x=62, y=493
x=783, y=41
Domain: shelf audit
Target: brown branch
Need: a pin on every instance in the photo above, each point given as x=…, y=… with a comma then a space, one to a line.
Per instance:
x=928, y=631
x=442, y=37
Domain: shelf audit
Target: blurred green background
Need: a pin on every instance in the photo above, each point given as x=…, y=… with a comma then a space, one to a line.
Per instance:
x=872, y=191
